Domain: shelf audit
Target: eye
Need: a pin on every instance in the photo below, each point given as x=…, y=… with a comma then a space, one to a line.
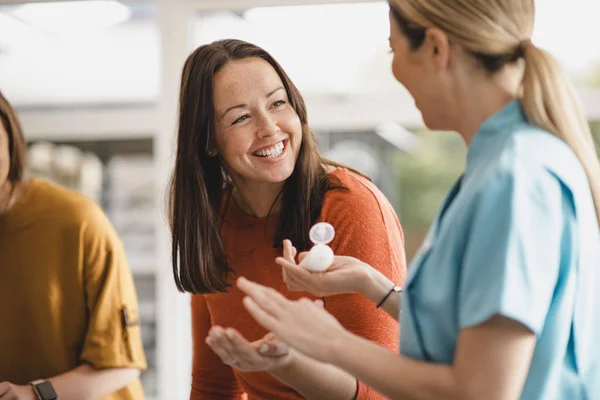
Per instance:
x=278, y=103
x=240, y=119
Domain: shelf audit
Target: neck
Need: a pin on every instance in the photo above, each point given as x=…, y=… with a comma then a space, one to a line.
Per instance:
x=478, y=99
x=257, y=199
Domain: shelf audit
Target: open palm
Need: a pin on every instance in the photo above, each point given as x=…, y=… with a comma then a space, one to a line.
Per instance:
x=345, y=275
x=303, y=324
x=264, y=354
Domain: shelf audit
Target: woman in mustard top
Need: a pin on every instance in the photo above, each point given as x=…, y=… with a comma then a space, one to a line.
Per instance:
x=68, y=306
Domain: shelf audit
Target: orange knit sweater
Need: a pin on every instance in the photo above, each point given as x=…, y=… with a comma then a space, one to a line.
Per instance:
x=366, y=228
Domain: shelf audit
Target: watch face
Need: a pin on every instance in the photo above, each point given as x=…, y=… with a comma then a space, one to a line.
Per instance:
x=46, y=391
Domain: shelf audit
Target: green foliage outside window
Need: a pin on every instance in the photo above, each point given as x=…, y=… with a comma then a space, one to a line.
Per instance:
x=425, y=176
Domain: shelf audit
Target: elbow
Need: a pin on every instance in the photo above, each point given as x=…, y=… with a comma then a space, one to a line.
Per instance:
x=131, y=375
x=124, y=377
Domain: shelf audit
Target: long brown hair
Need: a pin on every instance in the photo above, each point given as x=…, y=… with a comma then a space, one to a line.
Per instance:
x=497, y=33
x=16, y=140
x=199, y=183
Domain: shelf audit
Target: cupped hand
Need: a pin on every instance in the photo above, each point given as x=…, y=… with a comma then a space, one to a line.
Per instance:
x=345, y=275
x=266, y=354
x=303, y=324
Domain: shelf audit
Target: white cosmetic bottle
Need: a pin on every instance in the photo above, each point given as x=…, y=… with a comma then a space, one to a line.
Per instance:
x=320, y=256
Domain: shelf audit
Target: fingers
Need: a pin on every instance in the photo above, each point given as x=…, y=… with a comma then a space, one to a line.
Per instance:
x=289, y=251
x=243, y=350
x=271, y=346
x=301, y=278
x=290, y=272
x=265, y=319
x=235, y=350
x=217, y=341
x=267, y=298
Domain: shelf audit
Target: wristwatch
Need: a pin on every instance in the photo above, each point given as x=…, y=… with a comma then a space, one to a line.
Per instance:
x=43, y=390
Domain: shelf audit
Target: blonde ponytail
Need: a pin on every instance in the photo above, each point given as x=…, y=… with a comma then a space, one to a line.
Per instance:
x=549, y=101
x=494, y=32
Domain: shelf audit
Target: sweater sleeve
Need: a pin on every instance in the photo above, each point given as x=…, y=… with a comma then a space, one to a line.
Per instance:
x=366, y=228
x=211, y=379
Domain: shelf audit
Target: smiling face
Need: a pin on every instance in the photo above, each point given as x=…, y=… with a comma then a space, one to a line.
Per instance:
x=424, y=73
x=258, y=133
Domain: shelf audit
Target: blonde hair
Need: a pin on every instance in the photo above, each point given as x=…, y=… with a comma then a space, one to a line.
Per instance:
x=497, y=32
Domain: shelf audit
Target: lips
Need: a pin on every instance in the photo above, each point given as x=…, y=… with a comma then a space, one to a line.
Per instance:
x=271, y=151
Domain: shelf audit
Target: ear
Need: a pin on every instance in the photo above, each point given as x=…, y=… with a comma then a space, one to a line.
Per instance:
x=438, y=47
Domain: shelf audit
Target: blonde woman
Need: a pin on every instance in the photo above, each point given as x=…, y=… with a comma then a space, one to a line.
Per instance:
x=502, y=301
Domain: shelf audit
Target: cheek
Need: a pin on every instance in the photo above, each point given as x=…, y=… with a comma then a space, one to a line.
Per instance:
x=411, y=77
x=297, y=131
x=4, y=167
x=233, y=143
x=400, y=69
x=290, y=123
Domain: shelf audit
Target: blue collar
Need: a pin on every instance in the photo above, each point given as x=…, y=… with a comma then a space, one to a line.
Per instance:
x=493, y=131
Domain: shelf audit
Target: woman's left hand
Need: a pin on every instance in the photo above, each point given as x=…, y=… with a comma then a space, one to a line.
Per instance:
x=265, y=354
x=10, y=391
x=303, y=324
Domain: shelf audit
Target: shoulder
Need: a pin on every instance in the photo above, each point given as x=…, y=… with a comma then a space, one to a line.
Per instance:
x=366, y=224
x=517, y=190
x=360, y=206
x=68, y=209
x=539, y=158
x=358, y=194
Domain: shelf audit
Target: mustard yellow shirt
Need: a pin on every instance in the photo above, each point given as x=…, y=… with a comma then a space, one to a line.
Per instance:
x=64, y=289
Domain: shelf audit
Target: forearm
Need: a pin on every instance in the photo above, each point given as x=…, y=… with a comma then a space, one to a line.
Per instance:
x=88, y=383
x=377, y=287
x=315, y=380
x=394, y=375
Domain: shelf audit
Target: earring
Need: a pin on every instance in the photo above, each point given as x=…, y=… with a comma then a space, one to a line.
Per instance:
x=212, y=152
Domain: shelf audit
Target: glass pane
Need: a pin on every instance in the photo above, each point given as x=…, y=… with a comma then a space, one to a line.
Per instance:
x=79, y=53
x=343, y=47
x=324, y=48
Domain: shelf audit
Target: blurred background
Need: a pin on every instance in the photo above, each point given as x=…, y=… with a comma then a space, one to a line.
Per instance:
x=96, y=86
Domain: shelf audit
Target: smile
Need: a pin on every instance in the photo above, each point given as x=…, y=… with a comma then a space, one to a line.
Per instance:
x=271, y=152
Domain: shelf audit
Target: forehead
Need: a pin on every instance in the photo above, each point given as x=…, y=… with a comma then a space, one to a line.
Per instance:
x=243, y=79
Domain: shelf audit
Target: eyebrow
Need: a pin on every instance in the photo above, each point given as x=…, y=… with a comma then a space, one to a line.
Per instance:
x=271, y=93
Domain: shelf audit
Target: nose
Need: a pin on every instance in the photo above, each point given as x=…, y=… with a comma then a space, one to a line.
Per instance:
x=268, y=127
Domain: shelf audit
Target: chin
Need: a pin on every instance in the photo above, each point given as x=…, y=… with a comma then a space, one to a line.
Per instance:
x=432, y=123
x=279, y=176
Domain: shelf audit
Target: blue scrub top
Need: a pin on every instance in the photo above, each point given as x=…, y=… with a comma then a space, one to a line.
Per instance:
x=516, y=236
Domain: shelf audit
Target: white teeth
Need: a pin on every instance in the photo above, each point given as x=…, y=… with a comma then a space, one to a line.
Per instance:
x=271, y=152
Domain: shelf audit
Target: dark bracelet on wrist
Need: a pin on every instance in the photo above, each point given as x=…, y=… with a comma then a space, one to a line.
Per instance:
x=395, y=289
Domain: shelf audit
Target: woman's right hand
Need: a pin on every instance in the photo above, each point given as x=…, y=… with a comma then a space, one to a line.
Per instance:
x=345, y=275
